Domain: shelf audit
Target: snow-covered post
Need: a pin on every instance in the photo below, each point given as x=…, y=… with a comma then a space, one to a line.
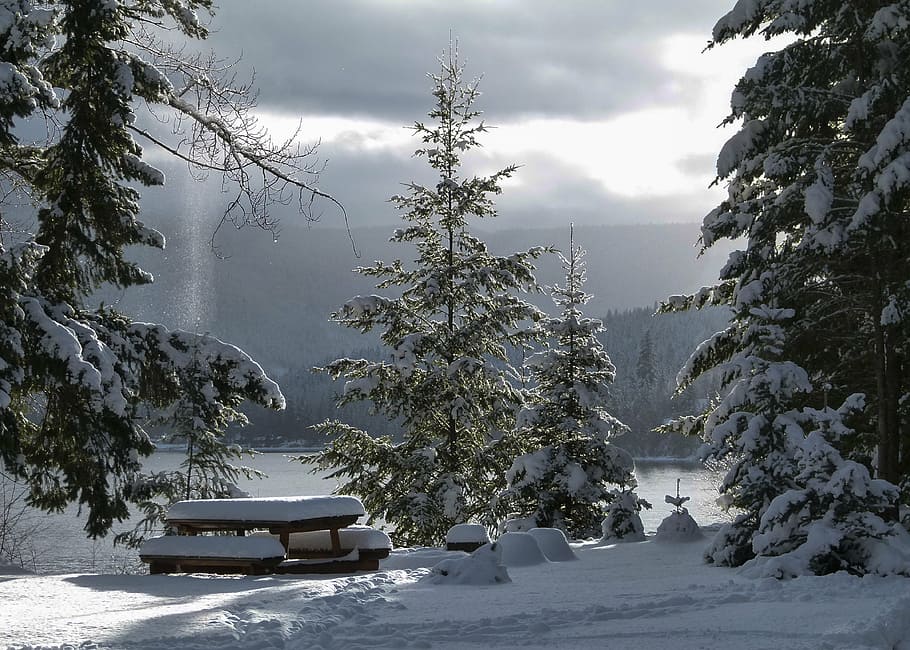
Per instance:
x=679, y=526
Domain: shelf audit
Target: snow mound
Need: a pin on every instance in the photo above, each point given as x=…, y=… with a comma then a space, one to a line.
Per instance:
x=520, y=549
x=482, y=567
x=467, y=534
x=678, y=527
x=518, y=525
x=554, y=544
x=418, y=558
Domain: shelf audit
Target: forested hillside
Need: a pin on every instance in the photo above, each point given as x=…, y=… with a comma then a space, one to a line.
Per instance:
x=274, y=300
x=642, y=395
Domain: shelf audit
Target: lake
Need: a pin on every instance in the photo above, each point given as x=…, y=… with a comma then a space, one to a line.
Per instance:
x=62, y=546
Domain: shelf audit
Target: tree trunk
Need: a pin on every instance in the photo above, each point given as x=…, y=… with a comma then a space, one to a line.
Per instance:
x=887, y=378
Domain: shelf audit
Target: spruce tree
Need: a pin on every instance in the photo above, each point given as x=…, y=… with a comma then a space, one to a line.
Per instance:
x=817, y=181
x=569, y=469
x=196, y=418
x=447, y=326
x=78, y=382
x=834, y=520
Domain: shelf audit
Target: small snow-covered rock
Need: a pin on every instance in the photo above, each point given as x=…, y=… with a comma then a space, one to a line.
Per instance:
x=554, y=544
x=678, y=527
x=482, y=567
x=520, y=549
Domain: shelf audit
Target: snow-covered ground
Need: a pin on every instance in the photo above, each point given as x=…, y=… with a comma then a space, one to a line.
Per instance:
x=642, y=595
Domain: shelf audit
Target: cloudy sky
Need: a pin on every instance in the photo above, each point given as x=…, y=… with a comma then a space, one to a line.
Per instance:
x=610, y=106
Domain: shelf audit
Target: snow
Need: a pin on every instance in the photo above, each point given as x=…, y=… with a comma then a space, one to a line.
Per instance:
x=266, y=509
x=520, y=549
x=350, y=537
x=739, y=147
x=643, y=596
x=482, y=567
x=214, y=546
x=467, y=534
x=554, y=544
x=678, y=527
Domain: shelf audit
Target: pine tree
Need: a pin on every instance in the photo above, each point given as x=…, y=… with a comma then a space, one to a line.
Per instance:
x=751, y=429
x=446, y=382
x=645, y=368
x=818, y=188
x=834, y=520
x=197, y=418
x=76, y=381
x=569, y=468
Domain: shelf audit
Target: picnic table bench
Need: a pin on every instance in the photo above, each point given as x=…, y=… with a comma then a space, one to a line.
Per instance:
x=223, y=554
x=327, y=545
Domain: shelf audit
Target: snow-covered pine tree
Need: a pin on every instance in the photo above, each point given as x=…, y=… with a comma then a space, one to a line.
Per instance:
x=76, y=381
x=196, y=418
x=835, y=519
x=818, y=188
x=446, y=385
x=567, y=469
x=822, y=157
x=750, y=429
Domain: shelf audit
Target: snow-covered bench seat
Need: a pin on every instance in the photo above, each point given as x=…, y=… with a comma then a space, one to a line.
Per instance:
x=361, y=546
x=212, y=554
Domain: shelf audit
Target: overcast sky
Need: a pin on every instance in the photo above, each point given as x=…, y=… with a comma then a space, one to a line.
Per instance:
x=610, y=106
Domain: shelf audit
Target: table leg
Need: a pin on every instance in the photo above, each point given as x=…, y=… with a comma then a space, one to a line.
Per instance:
x=336, y=542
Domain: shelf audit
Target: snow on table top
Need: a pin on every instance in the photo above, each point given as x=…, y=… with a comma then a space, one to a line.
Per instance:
x=220, y=546
x=271, y=509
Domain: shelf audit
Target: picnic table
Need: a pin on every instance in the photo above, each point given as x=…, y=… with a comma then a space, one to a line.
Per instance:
x=323, y=518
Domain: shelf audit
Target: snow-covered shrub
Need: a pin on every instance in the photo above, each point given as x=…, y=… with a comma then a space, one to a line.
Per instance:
x=679, y=526
x=833, y=520
x=565, y=464
x=623, y=523
x=520, y=549
x=482, y=567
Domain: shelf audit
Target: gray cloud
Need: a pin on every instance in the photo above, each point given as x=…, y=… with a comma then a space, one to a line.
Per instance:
x=585, y=58
x=550, y=194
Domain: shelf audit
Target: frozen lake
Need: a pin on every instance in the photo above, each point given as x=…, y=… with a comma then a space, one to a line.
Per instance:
x=63, y=548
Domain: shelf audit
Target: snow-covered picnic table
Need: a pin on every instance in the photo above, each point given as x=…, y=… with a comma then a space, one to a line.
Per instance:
x=321, y=521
